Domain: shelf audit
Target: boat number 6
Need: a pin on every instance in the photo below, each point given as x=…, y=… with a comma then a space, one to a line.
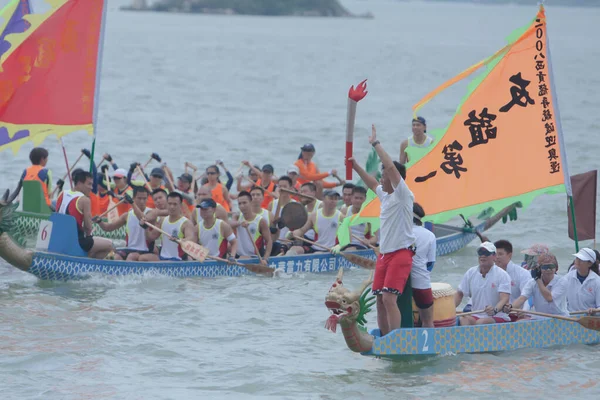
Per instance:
x=44, y=233
x=425, y=339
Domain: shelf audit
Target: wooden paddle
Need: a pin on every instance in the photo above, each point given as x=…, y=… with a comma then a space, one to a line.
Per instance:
x=369, y=245
x=139, y=170
x=464, y=314
x=353, y=258
x=595, y=310
x=190, y=248
x=254, y=244
x=72, y=166
x=256, y=268
x=587, y=322
x=112, y=208
x=298, y=194
x=153, y=156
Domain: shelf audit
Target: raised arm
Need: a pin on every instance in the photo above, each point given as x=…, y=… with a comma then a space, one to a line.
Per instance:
x=370, y=181
x=386, y=160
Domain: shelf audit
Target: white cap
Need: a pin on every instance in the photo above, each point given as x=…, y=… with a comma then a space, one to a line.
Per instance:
x=294, y=169
x=489, y=246
x=586, y=254
x=120, y=173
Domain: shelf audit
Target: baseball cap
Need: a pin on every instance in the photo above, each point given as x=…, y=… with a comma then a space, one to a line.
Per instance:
x=293, y=169
x=120, y=173
x=158, y=172
x=268, y=168
x=489, y=246
x=207, y=203
x=536, y=250
x=586, y=254
x=186, y=177
x=308, y=147
x=330, y=193
x=420, y=119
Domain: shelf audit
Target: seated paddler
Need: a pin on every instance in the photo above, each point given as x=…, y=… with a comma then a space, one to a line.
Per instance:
x=215, y=234
x=136, y=242
x=38, y=172
x=488, y=286
x=77, y=204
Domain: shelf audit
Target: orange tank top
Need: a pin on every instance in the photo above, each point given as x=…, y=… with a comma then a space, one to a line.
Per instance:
x=218, y=196
x=268, y=191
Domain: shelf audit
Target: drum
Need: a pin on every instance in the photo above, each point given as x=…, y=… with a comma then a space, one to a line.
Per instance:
x=444, y=311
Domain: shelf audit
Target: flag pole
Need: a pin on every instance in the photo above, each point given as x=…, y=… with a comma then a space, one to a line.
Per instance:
x=97, y=86
x=563, y=150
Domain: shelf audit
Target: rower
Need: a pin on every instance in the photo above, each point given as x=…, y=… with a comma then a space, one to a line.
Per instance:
x=177, y=225
x=156, y=181
x=347, y=197
x=218, y=191
x=582, y=283
x=258, y=195
x=324, y=222
x=488, y=286
x=184, y=186
x=253, y=176
x=519, y=276
x=532, y=253
x=77, y=204
x=293, y=172
x=418, y=139
x=265, y=181
x=136, y=237
x=310, y=189
x=202, y=194
x=361, y=233
x=38, y=172
x=548, y=297
x=258, y=228
x=121, y=187
x=309, y=172
x=159, y=198
x=213, y=233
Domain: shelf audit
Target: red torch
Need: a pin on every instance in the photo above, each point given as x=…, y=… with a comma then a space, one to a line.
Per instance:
x=354, y=96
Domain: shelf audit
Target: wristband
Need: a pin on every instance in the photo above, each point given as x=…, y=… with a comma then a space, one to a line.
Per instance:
x=230, y=237
x=375, y=143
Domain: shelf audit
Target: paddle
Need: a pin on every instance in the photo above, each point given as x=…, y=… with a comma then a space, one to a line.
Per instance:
x=586, y=322
x=464, y=314
x=594, y=310
x=67, y=162
x=293, y=216
x=256, y=268
x=139, y=170
x=298, y=194
x=253, y=243
x=353, y=258
x=153, y=156
x=192, y=249
x=369, y=245
x=126, y=198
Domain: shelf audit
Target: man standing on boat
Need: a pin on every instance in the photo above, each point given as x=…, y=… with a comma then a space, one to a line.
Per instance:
x=422, y=264
x=419, y=138
x=77, y=204
x=488, y=286
x=136, y=237
x=397, y=240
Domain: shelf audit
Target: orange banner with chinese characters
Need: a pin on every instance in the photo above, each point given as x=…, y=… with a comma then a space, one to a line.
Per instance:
x=503, y=144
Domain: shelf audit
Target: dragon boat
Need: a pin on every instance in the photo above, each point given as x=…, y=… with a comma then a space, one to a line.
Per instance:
x=349, y=309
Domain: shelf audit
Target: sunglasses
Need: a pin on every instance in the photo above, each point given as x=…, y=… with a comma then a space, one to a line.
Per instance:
x=547, y=267
x=484, y=253
x=211, y=173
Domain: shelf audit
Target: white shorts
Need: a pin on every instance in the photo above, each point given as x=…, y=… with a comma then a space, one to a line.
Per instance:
x=420, y=278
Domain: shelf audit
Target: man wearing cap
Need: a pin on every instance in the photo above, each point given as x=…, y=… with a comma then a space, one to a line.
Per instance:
x=419, y=138
x=582, y=283
x=202, y=194
x=488, y=286
x=215, y=234
x=324, y=221
x=347, y=195
x=396, y=244
x=156, y=180
x=548, y=297
x=294, y=172
x=121, y=188
x=184, y=186
x=309, y=172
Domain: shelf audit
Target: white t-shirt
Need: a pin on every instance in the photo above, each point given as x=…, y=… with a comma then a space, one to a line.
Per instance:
x=519, y=277
x=581, y=296
x=558, y=305
x=396, y=218
x=426, y=248
x=485, y=291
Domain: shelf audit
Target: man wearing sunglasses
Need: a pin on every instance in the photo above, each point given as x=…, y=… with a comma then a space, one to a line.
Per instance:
x=488, y=286
x=548, y=297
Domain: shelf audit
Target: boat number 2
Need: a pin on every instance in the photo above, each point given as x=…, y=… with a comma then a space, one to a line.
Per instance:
x=425, y=340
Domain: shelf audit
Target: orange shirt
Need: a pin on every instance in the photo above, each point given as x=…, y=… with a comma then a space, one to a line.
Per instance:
x=32, y=174
x=268, y=193
x=218, y=196
x=308, y=173
x=124, y=207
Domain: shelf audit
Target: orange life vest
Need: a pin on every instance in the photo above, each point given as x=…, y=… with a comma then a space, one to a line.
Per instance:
x=124, y=207
x=32, y=174
x=268, y=191
x=219, y=197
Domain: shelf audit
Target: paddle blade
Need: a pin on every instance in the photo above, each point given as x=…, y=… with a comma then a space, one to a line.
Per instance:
x=590, y=322
x=113, y=215
x=259, y=269
x=194, y=250
x=360, y=261
x=294, y=216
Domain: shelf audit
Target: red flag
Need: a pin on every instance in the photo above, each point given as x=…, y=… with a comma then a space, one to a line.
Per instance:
x=584, y=197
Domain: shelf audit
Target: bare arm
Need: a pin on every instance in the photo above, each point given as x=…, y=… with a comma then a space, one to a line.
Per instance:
x=504, y=298
x=220, y=213
x=307, y=226
x=189, y=233
x=112, y=226
x=266, y=234
x=386, y=160
x=86, y=209
x=403, y=155
x=370, y=181
x=458, y=297
x=227, y=231
x=152, y=234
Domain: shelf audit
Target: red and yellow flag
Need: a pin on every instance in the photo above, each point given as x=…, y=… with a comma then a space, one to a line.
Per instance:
x=504, y=144
x=48, y=75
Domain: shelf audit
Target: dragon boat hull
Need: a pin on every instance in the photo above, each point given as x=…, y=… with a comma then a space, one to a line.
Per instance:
x=407, y=343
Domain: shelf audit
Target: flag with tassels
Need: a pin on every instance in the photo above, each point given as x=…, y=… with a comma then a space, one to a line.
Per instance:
x=49, y=73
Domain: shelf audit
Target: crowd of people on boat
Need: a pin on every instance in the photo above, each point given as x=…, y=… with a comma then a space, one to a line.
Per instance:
x=159, y=214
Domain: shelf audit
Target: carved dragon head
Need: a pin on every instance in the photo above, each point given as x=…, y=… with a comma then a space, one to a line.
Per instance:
x=7, y=211
x=348, y=306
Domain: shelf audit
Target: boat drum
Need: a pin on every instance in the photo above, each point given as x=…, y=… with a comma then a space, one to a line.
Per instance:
x=444, y=311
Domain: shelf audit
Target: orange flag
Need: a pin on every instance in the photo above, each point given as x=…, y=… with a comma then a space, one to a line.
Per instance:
x=504, y=144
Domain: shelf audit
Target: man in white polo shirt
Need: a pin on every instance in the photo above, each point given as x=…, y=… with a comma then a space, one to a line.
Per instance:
x=396, y=244
x=519, y=276
x=422, y=264
x=488, y=286
x=582, y=284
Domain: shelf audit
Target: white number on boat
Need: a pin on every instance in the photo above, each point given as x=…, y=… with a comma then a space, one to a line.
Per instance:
x=43, y=237
x=426, y=337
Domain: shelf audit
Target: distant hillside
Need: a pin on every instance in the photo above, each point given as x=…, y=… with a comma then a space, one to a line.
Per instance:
x=574, y=3
x=321, y=8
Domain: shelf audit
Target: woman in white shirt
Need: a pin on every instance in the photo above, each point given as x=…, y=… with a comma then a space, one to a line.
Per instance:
x=582, y=283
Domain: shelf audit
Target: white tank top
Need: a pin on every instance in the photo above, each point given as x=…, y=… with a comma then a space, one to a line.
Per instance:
x=68, y=197
x=326, y=229
x=265, y=214
x=426, y=143
x=136, y=236
x=310, y=234
x=358, y=231
x=169, y=248
x=245, y=246
x=212, y=239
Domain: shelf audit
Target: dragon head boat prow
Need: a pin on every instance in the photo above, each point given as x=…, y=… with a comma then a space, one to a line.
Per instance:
x=348, y=309
x=9, y=250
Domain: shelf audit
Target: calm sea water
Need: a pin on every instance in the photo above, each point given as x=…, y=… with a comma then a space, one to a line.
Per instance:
x=195, y=88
